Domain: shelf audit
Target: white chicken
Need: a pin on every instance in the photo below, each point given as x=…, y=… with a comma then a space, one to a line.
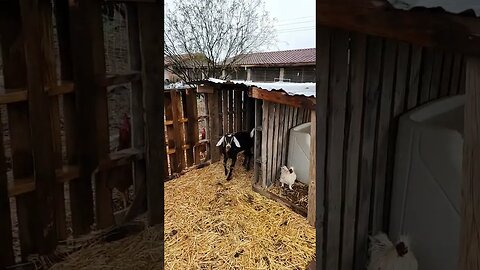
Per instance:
x=386, y=256
x=287, y=176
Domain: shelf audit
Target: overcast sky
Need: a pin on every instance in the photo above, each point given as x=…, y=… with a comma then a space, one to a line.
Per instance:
x=295, y=23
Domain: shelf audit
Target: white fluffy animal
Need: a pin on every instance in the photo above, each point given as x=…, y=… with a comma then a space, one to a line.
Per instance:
x=386, y=256
x=287, y=176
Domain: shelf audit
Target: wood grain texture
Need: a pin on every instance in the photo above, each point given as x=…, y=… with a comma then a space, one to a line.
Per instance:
x=371, y=100
x=152, y=64
x=469, y=258
x=383, y=135
x=265, y=126
x=312, y=198
x=414, y=78
x=323, y=65
x=430, y=29
x=213, y=125
x=40, y=125
x=336, y=129
x=14, y=72
x=354, y=136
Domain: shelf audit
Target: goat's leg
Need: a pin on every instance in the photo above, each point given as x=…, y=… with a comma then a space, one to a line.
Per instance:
x=230, y=174
x=248, y=159
x=225, y=158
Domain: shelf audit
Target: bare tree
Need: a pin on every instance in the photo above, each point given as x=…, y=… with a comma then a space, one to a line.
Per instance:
x=209, y=37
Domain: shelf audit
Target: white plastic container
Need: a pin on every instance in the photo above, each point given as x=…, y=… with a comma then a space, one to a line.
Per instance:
x=299, y=151
x=427, y=182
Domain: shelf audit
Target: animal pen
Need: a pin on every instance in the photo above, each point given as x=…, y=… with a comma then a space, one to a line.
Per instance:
x=374, y=64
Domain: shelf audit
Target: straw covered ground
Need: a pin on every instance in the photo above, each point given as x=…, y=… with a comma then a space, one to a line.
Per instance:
x=211, y=224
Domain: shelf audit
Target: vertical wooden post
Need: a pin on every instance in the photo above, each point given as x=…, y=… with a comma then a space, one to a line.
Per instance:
x=178, y=134
x=265, y=127
x=40, y=124
x=312, y=203
x=92, y=112
x=151, y=35
x=257, y=150
x=238, y=110
x=192, y=126
x=213, y=123
x=6, y=245
x=14, y=70
x=470, y=204
x=136, y=100
x=249, y=108
x=69, y=110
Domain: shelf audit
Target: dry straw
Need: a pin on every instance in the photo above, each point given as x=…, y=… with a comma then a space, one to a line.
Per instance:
x=211, y=224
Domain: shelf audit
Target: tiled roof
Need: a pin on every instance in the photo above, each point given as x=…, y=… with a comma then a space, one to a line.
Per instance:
x=279, y=57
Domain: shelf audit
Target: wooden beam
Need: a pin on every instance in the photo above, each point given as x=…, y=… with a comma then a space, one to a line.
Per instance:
x=213, y=125
x=282, y=97
x=88, y=65
x=34, y=19
x=117, y=79
x=470, y=202
x=14, y=74
x=297, y=209
x=136, y=99
x=312, y=198
x=151, y=37
x=424, y=28
x=6, y=245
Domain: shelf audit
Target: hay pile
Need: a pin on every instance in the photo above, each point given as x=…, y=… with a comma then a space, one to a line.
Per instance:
x=214, y=224
x=211, y=224
x=298, y=196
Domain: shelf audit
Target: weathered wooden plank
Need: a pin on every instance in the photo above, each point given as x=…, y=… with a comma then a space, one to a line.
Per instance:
x=414, y=78
x=282, y=142
x=426, y=79
x=285, y=139
x=470, y=202
x=6, y=245
x=231, y=111
x=117, y=79
x=192, y=126
x=14, y=70
x=354, y=135
x=383, y=135
x=265, y=125
x=225, y=114
x=152, y=64
x=42, y=140
x=456, y=69
x=50, y=81
x=436, y=75
x=431, y=29
x=276, y=142
x=371, y=99
x=446, y=74
x=258, y=141
x=213, y=125
x=336, y=132
x=170, y=129
x=270, y=130
x=178, y=131
x=312, y=203
x=238, y=111
x=323, y=65
x=136, y=99
x=282, y=97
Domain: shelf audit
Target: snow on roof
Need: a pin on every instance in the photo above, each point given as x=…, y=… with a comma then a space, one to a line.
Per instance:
x=453, y=6
x=302, y=89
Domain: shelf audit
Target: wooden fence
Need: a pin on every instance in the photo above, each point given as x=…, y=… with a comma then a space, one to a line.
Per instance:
x=274, y=121
x=365, y=84
x=56, y=122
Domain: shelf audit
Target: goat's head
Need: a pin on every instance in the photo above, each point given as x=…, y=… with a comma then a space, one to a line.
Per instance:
x=227, y=141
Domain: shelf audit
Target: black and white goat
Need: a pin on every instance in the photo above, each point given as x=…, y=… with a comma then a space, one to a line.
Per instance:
x=231, y=145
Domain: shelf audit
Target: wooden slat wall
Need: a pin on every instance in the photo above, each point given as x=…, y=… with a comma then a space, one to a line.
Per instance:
x=360, y=102
x=277, y=120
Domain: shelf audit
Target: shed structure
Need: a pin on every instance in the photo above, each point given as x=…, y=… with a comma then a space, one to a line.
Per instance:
x=374, y=64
